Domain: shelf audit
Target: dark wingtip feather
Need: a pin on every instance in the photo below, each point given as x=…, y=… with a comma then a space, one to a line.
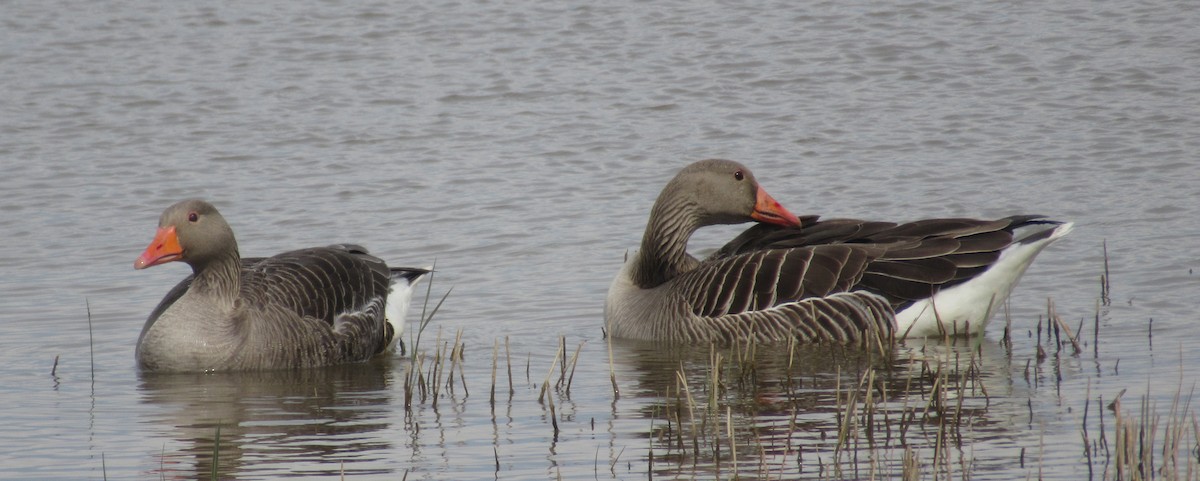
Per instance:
x=1032, y=220
x=409, y=274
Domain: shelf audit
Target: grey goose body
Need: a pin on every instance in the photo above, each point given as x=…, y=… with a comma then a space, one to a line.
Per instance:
x=302, y=308
x=839, y=280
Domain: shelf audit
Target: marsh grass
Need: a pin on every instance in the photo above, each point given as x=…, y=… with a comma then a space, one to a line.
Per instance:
x=216, y=455
x=91, y=346
x=422, y=384
x=784, y=411
x=1147, y=443
x=736, y=416
x=880, y=410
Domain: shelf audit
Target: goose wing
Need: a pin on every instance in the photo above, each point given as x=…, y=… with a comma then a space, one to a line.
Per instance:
x=340, y=286
x=773, y=293
x=913, y=260
x=766, y=278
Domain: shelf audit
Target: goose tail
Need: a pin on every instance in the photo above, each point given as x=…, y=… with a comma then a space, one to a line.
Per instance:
x=404, y=280
x=965, y=309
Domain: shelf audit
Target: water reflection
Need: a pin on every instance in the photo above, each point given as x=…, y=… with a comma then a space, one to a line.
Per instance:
x=780, y=411
x=278, y=423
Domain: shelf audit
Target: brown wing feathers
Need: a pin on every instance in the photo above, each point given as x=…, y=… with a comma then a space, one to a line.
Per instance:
x=902, y=262
x=348, y=281
x=767, y=278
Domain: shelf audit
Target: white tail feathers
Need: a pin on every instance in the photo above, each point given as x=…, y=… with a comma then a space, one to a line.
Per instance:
x=398, y=300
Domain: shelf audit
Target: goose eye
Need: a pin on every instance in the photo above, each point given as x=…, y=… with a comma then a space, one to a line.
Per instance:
x=193, y=217
x=738, y=175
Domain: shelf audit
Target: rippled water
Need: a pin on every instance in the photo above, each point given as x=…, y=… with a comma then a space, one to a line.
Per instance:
x=519, y=145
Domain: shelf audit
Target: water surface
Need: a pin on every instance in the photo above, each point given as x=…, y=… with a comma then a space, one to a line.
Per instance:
x=519, y=146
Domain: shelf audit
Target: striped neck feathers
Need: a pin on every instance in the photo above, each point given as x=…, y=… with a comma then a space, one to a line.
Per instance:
x=219, y=276
x=663, y=254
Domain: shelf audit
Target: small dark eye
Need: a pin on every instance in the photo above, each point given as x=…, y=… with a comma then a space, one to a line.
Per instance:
x=193, y=217
x=738, y=175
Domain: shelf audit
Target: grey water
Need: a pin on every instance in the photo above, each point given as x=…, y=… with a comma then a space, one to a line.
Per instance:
x=519, y=145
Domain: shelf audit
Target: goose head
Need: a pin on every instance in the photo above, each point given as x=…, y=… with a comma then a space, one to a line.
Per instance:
x=726, y=192
x=191, y=231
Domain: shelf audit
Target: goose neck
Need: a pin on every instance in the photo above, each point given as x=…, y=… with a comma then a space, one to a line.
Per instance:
x=220, y=277
x=663, y=253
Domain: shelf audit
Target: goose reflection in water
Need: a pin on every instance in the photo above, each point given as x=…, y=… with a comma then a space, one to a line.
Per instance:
x=322, y=420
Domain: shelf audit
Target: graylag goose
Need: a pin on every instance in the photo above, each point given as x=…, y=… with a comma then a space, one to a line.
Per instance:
x=303, y=308
x=842, y=281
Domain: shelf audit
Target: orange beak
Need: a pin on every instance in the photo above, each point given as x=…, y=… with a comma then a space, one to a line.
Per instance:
x=767, y=209
x=163, y=249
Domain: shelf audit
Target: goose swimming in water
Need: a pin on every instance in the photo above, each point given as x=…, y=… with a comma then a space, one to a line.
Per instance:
x=303, y=308
x=814, y=280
